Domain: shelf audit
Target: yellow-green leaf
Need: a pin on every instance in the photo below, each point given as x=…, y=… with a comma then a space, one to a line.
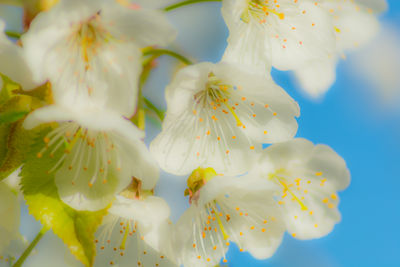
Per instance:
x=16, y=142
x=75, y=228
x=8, y=87
x=21, y=104
x=4, y=132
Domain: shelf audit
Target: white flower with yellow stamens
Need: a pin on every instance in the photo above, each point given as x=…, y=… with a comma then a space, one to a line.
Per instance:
x=9, y=223
x=218, y=116
x=308, y=178
x=355, y=23
x=101, y=152
x=90, y=51
x=136, y=232
x=224, y=210
x=286, y=34
x=12, y=62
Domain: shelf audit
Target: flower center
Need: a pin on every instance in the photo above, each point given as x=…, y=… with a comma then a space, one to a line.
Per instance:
x=216, y=95
x=134, y=190
x=88, y=37
x=197, y=180
x=260, y=10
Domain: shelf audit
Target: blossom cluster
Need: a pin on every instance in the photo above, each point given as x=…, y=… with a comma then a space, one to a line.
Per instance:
x=91, y=58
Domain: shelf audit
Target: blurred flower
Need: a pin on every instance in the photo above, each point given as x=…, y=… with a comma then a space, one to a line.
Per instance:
x=101, y=153
x=9, y=223
x=218, y=116
x=90, y=51
x=354, y=24
x=306, y=178
x=382, y=77
x=227, y=209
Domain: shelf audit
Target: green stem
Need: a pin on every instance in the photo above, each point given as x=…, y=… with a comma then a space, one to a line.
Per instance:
x=185, y=3
x=153, y=54
x=12, y=34
x=29, y=249
x=160, y=52
x=151, y=106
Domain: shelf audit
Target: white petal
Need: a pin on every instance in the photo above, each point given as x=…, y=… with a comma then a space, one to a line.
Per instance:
x=147, y=211
x=355, y=24
x=245, y=47
x=223, y=133
x=94, y=119
x=376, y=6
x=148, y=27
x=317, y=77
x=121, y=243
x=12, y=62
x=312, y=38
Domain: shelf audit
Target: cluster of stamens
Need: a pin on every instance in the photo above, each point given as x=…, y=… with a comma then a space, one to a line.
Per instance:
x=81, y=151
x=260, y=10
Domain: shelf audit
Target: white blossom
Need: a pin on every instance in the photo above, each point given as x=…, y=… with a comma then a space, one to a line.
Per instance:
x=101, y=153
x=355, y=23
x=218, y=116
x=307, y=179
x=224, y=210
x=90, y=51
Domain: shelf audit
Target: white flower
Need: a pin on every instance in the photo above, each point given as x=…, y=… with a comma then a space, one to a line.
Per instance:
x=224, y=210
x=90, y=51
x=10, y=219
x=307, y=178
x=136, y=232
x=12, y=62
x=218, y=115
x=99, y=154
x=284, y=33
x=355, y=23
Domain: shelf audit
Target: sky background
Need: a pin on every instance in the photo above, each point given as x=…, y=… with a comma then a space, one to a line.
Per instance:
x=359, y=118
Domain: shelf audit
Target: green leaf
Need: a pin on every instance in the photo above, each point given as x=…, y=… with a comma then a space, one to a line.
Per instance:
x=75, y=228
x=160, y=113
x=4, y=133
x=15, y=140
x=15, y=143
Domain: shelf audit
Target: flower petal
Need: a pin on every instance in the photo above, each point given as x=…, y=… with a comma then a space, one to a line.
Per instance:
x=317, y=77
x=12, y=62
